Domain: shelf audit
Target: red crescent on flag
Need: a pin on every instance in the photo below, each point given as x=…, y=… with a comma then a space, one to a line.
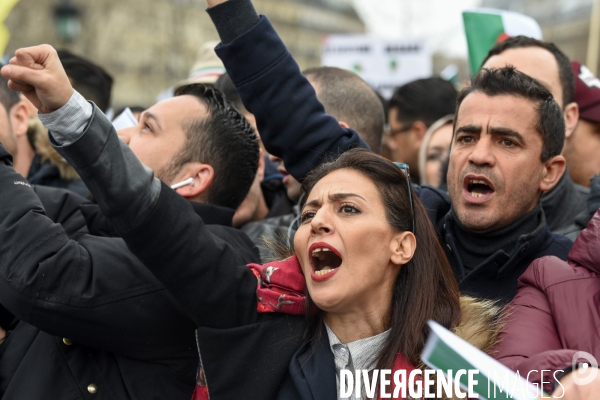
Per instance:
x=502, y=37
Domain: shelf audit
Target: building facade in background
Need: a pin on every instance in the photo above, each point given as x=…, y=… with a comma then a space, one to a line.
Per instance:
x=150, y=45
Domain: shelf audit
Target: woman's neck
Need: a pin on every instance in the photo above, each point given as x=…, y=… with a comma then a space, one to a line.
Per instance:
x=352, y=326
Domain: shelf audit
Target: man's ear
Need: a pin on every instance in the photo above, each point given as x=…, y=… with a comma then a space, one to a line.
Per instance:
x=260, y=172
x=343, y=124
x=571, y=114
x=554, y=169
x=203, y=175
x=19, y=119
x=402, y=247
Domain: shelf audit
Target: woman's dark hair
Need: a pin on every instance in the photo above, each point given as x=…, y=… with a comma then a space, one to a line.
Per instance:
x=425, y=288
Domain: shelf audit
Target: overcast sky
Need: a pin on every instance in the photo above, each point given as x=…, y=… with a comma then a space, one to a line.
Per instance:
x=438, y=21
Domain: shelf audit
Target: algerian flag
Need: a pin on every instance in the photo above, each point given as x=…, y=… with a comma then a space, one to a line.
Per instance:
x=446, y=352
x=485, y=27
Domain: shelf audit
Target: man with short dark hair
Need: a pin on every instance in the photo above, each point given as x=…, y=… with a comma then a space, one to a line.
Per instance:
x=197, y=135
x=491, y=195
x=412, y=109
x=551, y=67
x=110, y=326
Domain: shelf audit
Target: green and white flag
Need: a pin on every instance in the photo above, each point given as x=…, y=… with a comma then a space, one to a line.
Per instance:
x=447, y=352
x=485, y=27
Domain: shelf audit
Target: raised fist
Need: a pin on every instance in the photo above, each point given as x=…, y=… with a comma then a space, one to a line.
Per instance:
x=39, y=75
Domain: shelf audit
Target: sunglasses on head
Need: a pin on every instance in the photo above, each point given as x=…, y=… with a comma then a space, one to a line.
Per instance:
x=405, y=169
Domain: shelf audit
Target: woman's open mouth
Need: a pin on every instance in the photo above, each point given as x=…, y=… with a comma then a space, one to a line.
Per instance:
x=325, y=261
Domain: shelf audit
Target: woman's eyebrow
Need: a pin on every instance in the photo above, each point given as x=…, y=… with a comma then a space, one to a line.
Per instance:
x=333, y=197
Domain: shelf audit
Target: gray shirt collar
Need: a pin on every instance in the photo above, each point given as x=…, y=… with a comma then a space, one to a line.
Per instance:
x=358, y=355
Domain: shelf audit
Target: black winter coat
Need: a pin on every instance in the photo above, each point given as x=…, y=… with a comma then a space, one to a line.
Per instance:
x=62, y=207
x=93, y=319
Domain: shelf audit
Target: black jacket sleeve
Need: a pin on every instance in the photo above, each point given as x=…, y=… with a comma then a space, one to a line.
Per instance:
x=199, y=269
x=292, y=122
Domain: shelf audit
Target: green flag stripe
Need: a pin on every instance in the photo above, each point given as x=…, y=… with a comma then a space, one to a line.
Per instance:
x=482, y=31
x=443, y=357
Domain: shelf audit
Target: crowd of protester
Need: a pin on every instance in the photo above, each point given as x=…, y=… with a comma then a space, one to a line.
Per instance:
x=265, y=228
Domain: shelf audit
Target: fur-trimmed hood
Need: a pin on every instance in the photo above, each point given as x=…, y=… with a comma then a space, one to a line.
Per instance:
x=38, y=135
x=480, y=325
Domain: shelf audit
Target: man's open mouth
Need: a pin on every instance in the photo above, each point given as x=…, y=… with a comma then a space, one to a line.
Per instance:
x=478, y=187
x=324, y=259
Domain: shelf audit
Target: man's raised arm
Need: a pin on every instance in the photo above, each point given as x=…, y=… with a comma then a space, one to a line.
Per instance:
x=158, y=225
x=39, y=75
x=292, y=122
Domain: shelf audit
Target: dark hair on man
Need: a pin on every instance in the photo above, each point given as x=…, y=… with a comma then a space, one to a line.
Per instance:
x=226, y=86
x=425, y=100
x=509, y=81
x=89, y=79
x=348, y=98
x=565, y=72
x=8, y=97
x=224, y=140
x=425, y=288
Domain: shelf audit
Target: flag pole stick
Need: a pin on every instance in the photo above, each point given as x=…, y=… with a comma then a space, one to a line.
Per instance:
x=594, y=38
